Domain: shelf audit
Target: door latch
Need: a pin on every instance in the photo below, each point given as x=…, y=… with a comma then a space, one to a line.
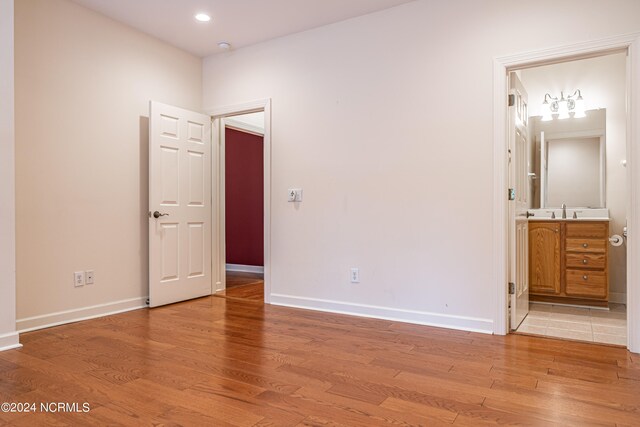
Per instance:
x=512, y=288
x=512, y=194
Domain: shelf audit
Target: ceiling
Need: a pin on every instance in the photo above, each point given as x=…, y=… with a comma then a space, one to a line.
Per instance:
x=238, y=22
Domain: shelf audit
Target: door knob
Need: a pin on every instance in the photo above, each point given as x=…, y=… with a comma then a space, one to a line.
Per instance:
x=157, y=214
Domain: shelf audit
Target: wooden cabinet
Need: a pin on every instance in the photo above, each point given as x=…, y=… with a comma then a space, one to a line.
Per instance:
x=544, y=258
x=568, y=262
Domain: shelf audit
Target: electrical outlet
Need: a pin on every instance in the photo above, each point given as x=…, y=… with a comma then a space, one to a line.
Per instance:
x=89, y=277
x=78, y=278
x=294, y=194
x=355, y=275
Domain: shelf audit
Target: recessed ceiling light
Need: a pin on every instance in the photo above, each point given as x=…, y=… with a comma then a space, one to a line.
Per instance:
x=203, y=17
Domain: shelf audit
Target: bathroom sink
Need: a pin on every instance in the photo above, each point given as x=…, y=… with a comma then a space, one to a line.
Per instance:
x=582, y=214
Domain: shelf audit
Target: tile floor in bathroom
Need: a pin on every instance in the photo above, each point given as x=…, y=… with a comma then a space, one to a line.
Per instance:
x=576, y=323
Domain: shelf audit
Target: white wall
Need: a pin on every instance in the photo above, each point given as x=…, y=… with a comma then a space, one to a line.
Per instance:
x=386, y=122
x=8, y=335
x=83, y=84
x=602, y=81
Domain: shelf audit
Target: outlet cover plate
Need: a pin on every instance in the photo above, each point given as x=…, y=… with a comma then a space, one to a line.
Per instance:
x=355, y=275
x=294, y=194
x=78, y=279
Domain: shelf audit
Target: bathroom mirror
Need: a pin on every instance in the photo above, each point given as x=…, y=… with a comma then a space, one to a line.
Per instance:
x=569, y=161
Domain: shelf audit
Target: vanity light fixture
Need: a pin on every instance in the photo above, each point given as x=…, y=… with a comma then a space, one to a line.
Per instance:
x=202, y=17
x=573, y=103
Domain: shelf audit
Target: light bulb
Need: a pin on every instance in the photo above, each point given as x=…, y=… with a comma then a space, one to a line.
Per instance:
x=563, y=109
x=579, y=110
x=546, y=111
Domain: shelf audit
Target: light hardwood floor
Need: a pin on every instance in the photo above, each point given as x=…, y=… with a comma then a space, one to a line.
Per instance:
x=227, y=362
x=244, y=286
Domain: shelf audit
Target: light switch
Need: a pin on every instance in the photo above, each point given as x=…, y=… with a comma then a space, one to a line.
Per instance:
x=295, y=194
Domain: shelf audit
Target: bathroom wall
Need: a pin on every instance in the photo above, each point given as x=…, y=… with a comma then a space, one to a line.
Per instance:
x=602, y=81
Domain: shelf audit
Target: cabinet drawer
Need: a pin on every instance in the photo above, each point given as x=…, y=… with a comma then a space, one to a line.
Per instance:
x=586, y=260
x=588, y=284
x=586, y=245
x=587, y=230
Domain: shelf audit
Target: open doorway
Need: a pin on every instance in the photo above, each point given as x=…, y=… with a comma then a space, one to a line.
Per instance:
x=244, y=206
x=241, y=135
x=569, y=199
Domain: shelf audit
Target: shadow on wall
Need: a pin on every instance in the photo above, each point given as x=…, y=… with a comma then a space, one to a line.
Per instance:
x=144, y=203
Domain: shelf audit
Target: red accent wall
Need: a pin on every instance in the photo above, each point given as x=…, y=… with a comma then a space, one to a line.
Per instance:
x=244, y=198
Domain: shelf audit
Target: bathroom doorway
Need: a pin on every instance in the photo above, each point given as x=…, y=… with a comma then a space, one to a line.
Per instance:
x=569, y=199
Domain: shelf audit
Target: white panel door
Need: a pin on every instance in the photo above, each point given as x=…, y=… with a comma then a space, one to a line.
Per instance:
x=179, y=204
x=518, y=181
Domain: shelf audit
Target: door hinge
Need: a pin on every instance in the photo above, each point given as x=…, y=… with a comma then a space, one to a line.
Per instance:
x=512, y=288
x=512, y=100
x=511, y=194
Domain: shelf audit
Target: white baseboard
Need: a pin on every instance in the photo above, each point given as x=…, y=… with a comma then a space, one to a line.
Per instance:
x=69, y=316
x=245, y=268
x=409, y=316
x=618, y=297
x=9, y=341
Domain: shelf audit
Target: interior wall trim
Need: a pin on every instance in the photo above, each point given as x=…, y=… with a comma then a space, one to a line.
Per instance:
x=28, y=324
x=618, y=297
x=438, y=320
x=245, y=268
x=9, y=341
x=629, y=43
x=243, y=127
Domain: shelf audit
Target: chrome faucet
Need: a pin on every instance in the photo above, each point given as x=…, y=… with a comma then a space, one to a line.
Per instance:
x=564, y=211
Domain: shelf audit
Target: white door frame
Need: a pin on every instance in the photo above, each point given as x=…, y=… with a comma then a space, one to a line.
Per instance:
x=501, y=65
x=218, y=255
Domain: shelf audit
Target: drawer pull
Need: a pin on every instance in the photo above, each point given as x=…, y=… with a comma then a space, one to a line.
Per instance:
x=584, y=261
x=585, y=277
x=585, y=245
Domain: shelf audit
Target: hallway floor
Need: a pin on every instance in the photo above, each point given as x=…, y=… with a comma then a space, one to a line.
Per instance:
x=576, y=323
x=244, y=286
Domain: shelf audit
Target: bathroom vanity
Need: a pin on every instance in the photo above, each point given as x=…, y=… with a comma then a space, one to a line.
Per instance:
x=570, y=219
x=568, y=261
